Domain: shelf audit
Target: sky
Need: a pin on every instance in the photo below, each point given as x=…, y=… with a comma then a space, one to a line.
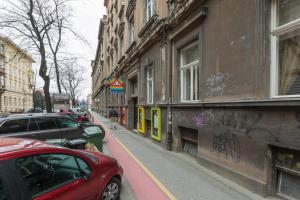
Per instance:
x=87, y=14
x=86, y=17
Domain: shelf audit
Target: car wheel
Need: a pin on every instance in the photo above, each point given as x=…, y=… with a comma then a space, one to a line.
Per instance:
x=112, y=190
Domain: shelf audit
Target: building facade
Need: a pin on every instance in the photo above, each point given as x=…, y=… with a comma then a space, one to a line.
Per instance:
x=2, y=74
x=217, y=80
x=17, y=82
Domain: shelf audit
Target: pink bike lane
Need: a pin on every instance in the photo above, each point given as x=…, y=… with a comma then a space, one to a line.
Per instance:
x=142, y=185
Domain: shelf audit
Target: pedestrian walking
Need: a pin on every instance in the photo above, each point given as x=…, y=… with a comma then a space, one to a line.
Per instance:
x=113, y=116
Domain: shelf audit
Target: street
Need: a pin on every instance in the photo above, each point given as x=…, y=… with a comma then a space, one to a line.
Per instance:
x=178, y=175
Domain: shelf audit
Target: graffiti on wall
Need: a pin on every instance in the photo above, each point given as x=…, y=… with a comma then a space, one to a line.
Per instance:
x=200, y=119
x=228, y=144
x=216, y=83
x=231, y=125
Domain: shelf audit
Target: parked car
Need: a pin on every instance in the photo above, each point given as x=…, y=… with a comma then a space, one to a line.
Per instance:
x=42, y=126
x=33, y=110
x=66, y=111
x=77, y=117
x=31, y=169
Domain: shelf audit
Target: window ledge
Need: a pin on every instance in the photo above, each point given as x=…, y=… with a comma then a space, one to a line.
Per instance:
x=148, y=26
x=130, y=47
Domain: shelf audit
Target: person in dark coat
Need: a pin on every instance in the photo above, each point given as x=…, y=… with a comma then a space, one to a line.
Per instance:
x=113, y=116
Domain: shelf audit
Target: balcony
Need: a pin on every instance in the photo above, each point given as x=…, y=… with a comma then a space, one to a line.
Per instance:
x=2, y=52
x=2, y=70
x=2, y=89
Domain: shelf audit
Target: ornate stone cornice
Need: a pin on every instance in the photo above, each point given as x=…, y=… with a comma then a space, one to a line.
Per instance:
x=179, y=9
x=131, y=48
x=149, y=27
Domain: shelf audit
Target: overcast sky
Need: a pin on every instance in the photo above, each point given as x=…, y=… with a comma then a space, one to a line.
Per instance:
x=87, y=14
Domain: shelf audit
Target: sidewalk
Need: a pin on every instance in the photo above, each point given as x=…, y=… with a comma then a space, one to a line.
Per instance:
x=179, y=176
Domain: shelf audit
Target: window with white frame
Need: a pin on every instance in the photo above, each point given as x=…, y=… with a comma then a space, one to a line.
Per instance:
x=285, y=47
x=131, y=30
x=149, y=9
x=149, y=85
x=189, y=70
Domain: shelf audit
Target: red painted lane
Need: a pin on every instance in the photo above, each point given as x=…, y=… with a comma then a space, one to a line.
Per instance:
x=142, y=185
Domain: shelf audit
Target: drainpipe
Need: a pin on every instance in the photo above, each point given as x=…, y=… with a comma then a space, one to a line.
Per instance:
x=169, y=64
x=169, y=132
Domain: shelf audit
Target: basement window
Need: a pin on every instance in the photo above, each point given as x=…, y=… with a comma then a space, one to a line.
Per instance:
x=189, y=138
x=288, y=185
x=287, y=167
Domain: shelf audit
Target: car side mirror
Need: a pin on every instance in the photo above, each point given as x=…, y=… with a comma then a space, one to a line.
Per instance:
x=86, y=174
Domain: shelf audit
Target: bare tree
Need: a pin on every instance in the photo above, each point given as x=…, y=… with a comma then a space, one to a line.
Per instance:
x=30, y=21
x=61, y=25
x=71, y=79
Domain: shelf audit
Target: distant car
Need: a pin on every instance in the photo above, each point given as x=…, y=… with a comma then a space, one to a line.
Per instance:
x=33, y=110
x=66, y=111
x=30, y=169
x=42, y=126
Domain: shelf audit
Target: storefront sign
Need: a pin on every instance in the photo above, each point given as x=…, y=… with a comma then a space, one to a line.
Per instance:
x=141, y=119
x=156, y=123
x=116, y=86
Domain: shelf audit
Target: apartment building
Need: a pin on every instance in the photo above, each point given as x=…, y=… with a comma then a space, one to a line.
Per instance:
x=218, y=80
x=2, y=74
x=16, y=77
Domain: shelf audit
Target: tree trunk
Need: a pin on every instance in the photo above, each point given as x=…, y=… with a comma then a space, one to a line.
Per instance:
x=57, y=75
x=47, y=96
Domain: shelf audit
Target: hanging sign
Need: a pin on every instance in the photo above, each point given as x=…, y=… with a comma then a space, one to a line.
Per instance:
x=116, y=86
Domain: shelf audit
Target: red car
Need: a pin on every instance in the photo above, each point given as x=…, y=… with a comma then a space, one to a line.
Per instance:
x=31, y=169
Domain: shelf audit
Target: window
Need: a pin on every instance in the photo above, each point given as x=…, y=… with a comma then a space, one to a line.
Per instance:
x=1, y=48
x=131, y=30
x=14, y=126
x=149, y=9
x=43, y=173
x=285, y=47
x=63, y=122
x=84, y=166
x=150, y=85
x=121, y=47
x=46, y=123
x=2, y=63
x=135, y=87
x=288, y=185
x=189, y=69
x=32, y=125
x=163, y=72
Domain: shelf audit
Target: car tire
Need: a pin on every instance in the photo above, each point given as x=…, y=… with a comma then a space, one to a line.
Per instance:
x=112, y=190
